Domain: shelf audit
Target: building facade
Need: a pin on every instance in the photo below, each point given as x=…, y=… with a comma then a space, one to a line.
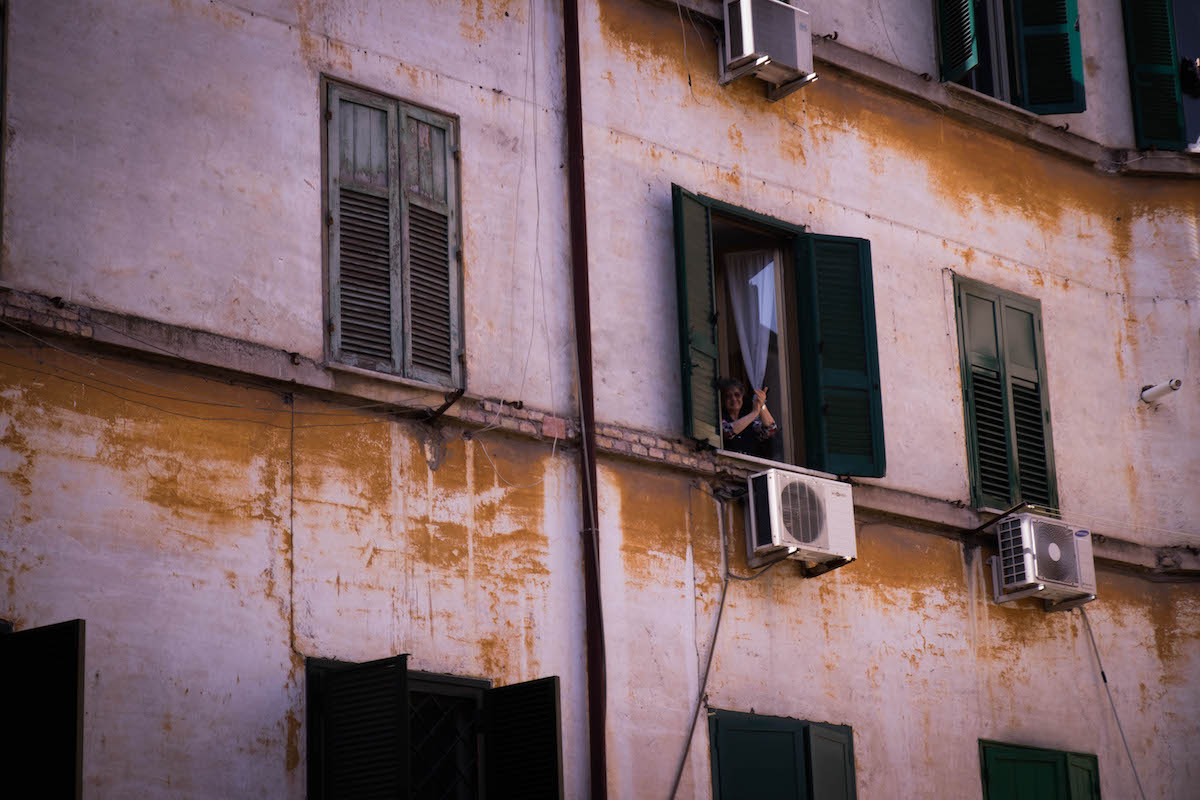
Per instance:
x=290, y=384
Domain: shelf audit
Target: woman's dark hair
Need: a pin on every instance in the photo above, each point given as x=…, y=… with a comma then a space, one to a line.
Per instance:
x=725, y=384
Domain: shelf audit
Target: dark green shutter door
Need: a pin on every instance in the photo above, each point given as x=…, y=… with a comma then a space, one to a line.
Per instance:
x=843, y=405
x=757, y=758
x=364, y=246
x=958, y=45
x=830, y=761
x=697, y=316
x=523, y=740
x=1030, y=430
x=41, y=737
x=1048, y=47
x=985, y=396
x=1023, y=773
x=430, y=234
x=1084, y=776
x=359, y=740
x=1154, y=74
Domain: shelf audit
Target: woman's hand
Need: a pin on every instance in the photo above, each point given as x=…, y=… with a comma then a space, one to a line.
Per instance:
x=760, y=399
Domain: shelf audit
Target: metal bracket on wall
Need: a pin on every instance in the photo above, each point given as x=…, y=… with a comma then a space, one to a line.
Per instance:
x=822, y=567
x=748, y=68
x=1067, y=605
x=775, y=93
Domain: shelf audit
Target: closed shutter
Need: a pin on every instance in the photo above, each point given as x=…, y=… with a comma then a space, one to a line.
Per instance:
x=358, y=730
x=1005, y=397
x=697, y=316
x=830, y=761
x=1083, y=773
x=757, y=758
x=1023, y=773
x=41, y=738
x=523, y=740
x=957, y=38
x=1048, y=48
x=364, y=245
x=843, y=403
x=431, y=246
x=1154, y=74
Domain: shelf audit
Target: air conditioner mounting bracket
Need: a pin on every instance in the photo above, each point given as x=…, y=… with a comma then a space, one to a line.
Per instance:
x=776, y=93
x=1067, y=605
x=745, y=69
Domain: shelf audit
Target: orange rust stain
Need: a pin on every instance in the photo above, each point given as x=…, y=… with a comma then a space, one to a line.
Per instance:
x=293, y=741
x=15, y=441
x=494, y=655
x=481, y=17
x=231, y=578
x=735, y=138
x=891, y=557
x=653, y=513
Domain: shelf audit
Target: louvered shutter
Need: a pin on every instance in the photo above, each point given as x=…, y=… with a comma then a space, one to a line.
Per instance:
x=697, y=316
x=1030, y=409
x=358, y=730
x=1083, y=773
x=757, y=757
x=1048, y=49
x=830, y=751
x=432, y=325
x=843, y=404
x=523, y=740
x=985, y=397
x=1154, y=74
x=364, y=225
x=957, y=38
x=41, y=737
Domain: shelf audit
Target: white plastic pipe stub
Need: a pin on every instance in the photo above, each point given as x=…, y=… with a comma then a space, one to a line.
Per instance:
x=1152, y=394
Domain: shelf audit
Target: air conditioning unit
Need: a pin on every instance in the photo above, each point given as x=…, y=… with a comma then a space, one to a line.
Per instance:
x=770, y=40
x=806, y=517
x=1046, y=558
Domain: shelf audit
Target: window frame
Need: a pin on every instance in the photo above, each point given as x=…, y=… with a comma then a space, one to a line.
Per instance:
x=402, y=366
x=1002, y=299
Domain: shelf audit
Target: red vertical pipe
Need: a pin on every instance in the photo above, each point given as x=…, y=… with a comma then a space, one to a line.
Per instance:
x=577, y=201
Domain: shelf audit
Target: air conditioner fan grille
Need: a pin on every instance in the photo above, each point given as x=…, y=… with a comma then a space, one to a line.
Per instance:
x=803, y=512
x=1055, y=548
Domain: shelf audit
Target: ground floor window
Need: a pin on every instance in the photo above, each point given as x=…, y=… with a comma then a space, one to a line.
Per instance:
x=1011, y=772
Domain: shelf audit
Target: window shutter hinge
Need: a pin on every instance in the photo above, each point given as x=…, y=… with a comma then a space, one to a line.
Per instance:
x=332, y=326
x=455, y=153
x=458, y=256
x=328, y=115
x=462, y=356
x=329, y=220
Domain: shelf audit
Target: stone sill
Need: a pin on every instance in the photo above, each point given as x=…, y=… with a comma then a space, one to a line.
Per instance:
x=253, y=364
x=966, y=105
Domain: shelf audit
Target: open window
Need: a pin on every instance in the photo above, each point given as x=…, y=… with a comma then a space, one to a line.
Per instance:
x=769, y=304
x=1024, y=52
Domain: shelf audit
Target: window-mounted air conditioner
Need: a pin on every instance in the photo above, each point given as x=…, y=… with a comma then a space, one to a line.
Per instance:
x=806, y=517
x=1043, y=557
x=770, y=40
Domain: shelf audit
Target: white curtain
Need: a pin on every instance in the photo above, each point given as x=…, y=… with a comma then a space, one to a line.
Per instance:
x=751, y=279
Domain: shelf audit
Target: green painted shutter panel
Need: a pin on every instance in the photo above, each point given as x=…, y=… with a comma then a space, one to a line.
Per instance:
x=41, y=738
x=523, y=740
x=697, y=316
x=1023, y=773
x=431, y=241
x=1154, y=74
x=957, y=38
x=843, y=403
x=830, y=761
x=985, y=395
x=1024, y=365
x=757, y=758
x=359, y=731
x=1084, y=776
x=363, y=229
x=1051, y=59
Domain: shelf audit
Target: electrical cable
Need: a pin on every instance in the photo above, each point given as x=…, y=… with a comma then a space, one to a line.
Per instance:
x=1104, y=678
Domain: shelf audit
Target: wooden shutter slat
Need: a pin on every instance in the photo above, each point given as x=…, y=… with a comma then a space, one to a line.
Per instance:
x=957, y=38
x=696, y=308
x=843, y=402
x=523, y=740
x=1154, y=74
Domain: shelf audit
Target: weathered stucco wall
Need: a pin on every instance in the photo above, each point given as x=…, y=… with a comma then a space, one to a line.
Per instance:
x=1112, y=260
x=175, y=538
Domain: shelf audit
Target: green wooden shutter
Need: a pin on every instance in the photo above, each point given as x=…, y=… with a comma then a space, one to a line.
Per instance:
x=1051, y=60
x=1083, y=773
x=432, y=324
x=358, y=742
x=1024, y=365
x=843, y=407
x=697, y=316
x=364, y=245
x=830, y=761
x=957, y=38
x=756, y=757
x=1023, y=773
x=41, y=738
x=1154, y=74
x=523, y=740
